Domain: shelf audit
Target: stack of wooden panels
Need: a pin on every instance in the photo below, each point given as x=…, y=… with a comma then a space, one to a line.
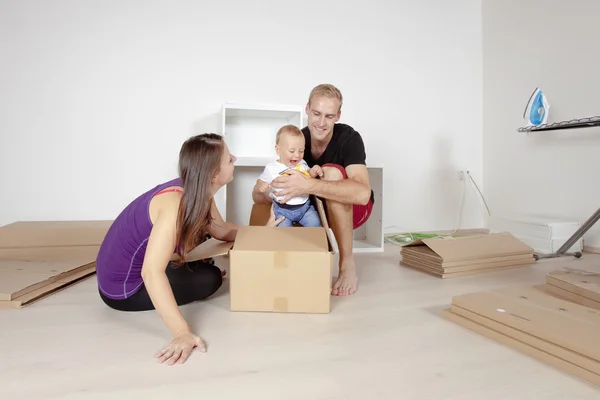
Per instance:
x=551, y=329
x=576, y=285
x=448, y=257
x=40, y=258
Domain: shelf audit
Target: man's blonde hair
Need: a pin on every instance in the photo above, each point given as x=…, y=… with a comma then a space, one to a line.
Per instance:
x=326, y=90
x=288, y=129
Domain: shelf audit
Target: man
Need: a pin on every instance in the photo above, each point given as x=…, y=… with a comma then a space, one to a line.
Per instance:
x=344, y=187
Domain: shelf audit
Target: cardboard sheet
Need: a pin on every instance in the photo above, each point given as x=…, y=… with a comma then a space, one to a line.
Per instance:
x=21, y=277
x=39, y=258
x=40, y=293
x=29, y=234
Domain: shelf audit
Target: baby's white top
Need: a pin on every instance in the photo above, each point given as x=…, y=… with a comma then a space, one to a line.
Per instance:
x=272, y=171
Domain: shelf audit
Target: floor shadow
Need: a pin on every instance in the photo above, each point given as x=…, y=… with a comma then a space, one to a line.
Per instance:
x=438, y=308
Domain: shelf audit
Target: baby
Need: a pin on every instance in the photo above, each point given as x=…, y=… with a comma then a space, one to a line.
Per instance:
x=289, y=145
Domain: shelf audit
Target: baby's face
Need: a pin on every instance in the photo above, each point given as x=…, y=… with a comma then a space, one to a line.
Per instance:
x=290, y=149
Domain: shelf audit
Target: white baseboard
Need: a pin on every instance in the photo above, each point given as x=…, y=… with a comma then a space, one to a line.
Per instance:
x=473, y=231
x=591, y=249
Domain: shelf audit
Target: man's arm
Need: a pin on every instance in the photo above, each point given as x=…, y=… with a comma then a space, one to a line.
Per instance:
x=354, y=190
x=219, y=229
x=357, y=188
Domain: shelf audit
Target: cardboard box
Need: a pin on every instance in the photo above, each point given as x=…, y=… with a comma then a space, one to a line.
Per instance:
x=280, y=269
x=448, y=257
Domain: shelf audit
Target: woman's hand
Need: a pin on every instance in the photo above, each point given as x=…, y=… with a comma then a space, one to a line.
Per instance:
x=272, y=222
x=180, y=348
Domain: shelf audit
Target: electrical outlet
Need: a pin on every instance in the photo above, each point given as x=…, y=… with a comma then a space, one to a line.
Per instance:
x=461, y=175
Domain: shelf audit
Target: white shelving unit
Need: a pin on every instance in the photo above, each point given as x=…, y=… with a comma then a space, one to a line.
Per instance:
x=369, y=237
x=249, y=131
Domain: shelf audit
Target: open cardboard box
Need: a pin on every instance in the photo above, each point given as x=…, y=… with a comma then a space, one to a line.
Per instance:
x=277, y=269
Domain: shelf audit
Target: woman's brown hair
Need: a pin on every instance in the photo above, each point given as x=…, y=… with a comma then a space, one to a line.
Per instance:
x=199, y=161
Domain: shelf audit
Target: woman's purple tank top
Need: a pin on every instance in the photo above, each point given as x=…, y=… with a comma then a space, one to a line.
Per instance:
x=121, y=255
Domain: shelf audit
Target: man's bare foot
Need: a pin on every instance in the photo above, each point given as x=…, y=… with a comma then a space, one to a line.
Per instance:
x=347, y=281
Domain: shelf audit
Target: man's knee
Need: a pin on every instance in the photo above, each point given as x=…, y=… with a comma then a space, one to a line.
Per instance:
x=333, y=172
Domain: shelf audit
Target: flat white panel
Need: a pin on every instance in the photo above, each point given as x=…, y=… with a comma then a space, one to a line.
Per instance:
x=239, y=194
x=250, y=130
x=220, y=201
x=253, y=161
x=369, y=237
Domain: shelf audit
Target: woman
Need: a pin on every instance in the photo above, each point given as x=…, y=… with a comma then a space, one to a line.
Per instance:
x=141, y=264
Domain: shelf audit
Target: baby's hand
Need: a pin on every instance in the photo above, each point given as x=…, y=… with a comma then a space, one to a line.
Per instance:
x=316, y=171
x=262, y=186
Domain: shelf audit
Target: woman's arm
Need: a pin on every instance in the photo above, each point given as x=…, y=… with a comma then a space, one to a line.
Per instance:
x=219, y=229
x=159, y=252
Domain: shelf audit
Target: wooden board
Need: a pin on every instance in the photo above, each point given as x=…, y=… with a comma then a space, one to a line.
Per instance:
x=572, y=297
x=426, y=254
x=544, y=345
x=413, y=261
x=446, y=275
x=565, y=324
x=524, y=348
x=580, y=282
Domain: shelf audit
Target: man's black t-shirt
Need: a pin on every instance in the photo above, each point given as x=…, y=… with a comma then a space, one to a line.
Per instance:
x=345, y=148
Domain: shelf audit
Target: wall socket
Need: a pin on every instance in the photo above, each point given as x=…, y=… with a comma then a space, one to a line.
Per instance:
x=462, y=174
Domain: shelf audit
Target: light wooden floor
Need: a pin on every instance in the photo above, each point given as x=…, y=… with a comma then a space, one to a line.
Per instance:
x=385, y=342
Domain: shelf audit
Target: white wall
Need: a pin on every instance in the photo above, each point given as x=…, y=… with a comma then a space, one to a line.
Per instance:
x=551, y=173
x=97, y=97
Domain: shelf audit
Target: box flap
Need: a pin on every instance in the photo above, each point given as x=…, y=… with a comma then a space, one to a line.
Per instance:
x=210, y=248
x=261, y=212
x=259, y=216
x=262, y=238
x=475, y=247
x=321, y=210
